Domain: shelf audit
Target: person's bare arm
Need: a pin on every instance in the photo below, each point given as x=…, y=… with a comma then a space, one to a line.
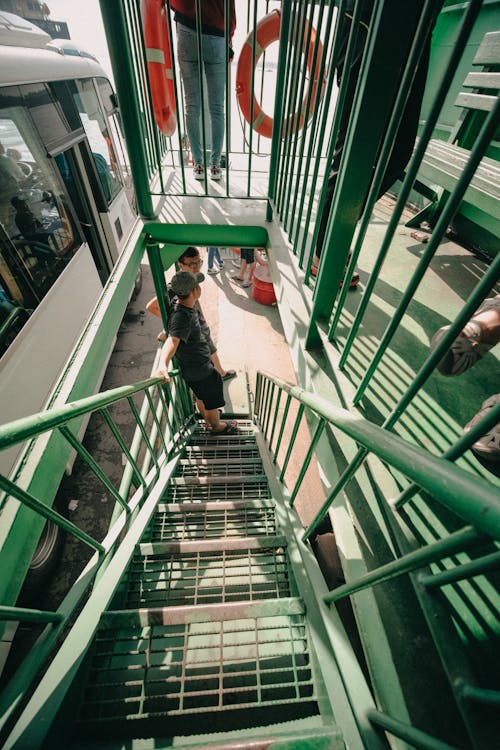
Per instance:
x=153, y=307
x=167, y=352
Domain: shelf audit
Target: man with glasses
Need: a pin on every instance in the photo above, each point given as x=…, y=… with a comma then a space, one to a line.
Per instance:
x=191, y=261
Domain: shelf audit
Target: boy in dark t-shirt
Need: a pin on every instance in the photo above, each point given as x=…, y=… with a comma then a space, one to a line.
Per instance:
x=188, y=343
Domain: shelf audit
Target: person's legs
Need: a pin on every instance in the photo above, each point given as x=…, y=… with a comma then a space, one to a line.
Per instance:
x=218, y=256
x=241, y=275
x=187, y=53
x=214, y=60
x=211, y=256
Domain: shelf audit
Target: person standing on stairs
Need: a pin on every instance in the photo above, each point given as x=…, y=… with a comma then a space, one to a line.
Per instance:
x=213, y=54
x=191, y=260
x=187, y=343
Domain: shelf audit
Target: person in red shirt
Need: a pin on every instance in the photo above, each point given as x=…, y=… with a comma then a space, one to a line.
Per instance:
x=213, y=43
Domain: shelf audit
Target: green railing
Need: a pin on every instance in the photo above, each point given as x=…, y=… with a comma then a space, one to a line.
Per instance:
x=456, y=565
x=163, y=423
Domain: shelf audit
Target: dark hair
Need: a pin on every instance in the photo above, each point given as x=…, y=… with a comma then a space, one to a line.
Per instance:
x=189, y=252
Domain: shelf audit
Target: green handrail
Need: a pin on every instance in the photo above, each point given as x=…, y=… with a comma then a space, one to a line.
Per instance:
x=470, y=497
x=21, y=429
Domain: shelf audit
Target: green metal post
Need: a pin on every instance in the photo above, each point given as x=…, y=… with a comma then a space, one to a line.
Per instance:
x=411, y=172
x=487, y=132
x=115, y=25
x=317, y=434
x=119, y=439
x=291, y=445
x=278, y=106
x=392, y=29
x=282, y=428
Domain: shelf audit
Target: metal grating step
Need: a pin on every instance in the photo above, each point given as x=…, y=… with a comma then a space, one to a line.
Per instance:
x=245, y=427
x=208, y=489
x=207, y=440
x=201, y=573
x=226, y=450
x=198, y=466
x=154, y=672
x=183, y=521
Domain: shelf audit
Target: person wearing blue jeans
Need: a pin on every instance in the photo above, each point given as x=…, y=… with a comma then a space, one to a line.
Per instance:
x=214, y=254
x=213, y=48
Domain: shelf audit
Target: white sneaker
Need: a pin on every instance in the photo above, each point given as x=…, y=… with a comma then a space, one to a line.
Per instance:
x=215, y=172
x=212, y=271
x=198, y=172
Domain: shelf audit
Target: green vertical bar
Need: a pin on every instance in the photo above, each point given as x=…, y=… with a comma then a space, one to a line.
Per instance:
x=294, y=132
x=155, y=419
x=252, y=85
x=115, y=26
x=450, y=68
x=298, y=17
x=119, y=439
x=293, y=436
x=158, y=274
x=424, y=28
x=144, y=95
x=276, y=412
x=178, y=103
x=278, y=107
x=392, y=28
x=487, y=132
x=282, y=428
x=273, y=388
x=296, y=217
x=317, y=434
x=145, y=437
x=321, y=135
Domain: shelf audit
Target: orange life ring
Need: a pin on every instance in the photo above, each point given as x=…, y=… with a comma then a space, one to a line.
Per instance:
x=267, y=32
x=159, y=61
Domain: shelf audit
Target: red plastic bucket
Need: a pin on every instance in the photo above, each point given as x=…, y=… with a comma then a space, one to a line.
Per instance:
x=263, y=292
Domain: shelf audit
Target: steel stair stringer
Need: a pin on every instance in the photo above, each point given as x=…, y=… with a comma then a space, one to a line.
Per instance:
x=34, y=722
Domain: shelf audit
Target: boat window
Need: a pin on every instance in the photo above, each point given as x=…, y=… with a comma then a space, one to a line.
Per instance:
x=37, y=234
x=95, y=125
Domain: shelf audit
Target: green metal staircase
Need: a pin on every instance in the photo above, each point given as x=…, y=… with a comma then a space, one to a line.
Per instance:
x=207, y=632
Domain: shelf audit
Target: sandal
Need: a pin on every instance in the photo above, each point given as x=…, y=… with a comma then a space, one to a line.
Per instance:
x=487, y=448
x=230, y=428
x=467, y=348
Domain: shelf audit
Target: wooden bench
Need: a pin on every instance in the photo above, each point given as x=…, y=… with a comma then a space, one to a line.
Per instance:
x=444, y=161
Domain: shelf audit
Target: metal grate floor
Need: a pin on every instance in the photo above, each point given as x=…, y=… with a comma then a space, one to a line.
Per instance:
x=215, y=520
x=207, y=577
x=225, y=450
x=139, y=672
x=178, y=493
x=218, y=467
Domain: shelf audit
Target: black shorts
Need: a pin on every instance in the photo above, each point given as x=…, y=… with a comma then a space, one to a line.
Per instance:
x=247, y=253
x=209, y=390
